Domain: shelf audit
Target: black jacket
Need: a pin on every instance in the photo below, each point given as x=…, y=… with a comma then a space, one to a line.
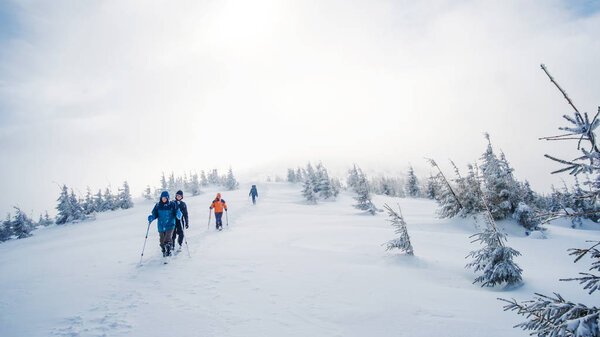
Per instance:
x=184, y=212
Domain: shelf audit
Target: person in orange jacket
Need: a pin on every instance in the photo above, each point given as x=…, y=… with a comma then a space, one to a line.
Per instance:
x=219, y=205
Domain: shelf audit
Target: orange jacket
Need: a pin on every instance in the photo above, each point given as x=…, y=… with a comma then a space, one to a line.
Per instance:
x=218, y=204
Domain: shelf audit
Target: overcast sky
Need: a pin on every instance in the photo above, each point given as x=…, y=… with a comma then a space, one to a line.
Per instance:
x=96, y=92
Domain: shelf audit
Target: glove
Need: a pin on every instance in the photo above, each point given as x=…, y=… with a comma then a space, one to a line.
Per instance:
x=187, y=226
x=210, y=208
x=150, y=218
x=225, y=209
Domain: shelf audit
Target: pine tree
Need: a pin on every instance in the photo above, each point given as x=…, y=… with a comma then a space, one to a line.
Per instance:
x=171, y=186
x=291, y=176
x=324, y=184
x=213, y=177
x=195, y=184
x=6, y=229
x=469, y=192
x=412, y=184
x=148, y=193
x=89, y=206
x=402, y=242
x=163, y=182
x=76, y=209
x=308, y=192
x=500, y=187
x=47, y=220
x=203, y=179
x=124, y=198
x=495, y=259
x=99, y=201
x=230, y=182
x=299, y=175
x=361, y=187
x=21, y=224
x=64, y=208
x=108, y=203
x=353, y=176
x=432, y=187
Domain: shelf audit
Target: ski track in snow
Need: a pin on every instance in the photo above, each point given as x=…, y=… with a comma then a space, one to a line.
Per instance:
x=281, y=268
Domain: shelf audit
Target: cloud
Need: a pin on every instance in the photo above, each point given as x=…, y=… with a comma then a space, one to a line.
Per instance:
x=99, y=92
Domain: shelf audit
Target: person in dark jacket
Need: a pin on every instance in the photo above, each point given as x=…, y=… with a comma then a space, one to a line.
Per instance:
x=253, y=194
x=165, y=212
x=219, y=205
x=180, y=223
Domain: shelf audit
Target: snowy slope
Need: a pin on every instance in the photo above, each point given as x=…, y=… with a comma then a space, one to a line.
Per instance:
x=282, y=268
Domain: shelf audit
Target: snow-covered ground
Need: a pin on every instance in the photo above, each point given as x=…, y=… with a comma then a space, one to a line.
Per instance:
x=281, y=268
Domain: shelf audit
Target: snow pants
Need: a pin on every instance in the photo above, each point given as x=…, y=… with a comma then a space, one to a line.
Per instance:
x=219, y=219
x=178, y=231
x=166, y=238
x=254, y=200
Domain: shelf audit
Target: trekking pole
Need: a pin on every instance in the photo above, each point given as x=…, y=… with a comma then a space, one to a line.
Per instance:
x=187, y=247
x=209, y=214
x=227, y=217
x=146, y=239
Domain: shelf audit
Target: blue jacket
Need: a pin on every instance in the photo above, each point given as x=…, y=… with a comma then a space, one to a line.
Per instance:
x=253, y=191
x=166, y=213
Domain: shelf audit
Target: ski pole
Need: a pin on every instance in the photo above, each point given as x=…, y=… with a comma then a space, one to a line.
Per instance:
x=209, y=214
x=227, y=216
x=187, y=247
x=146, y=239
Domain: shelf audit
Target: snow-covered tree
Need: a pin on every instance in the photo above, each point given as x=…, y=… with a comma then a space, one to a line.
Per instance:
x=89, y=206
x=6, y=229
x=494, y=260
x=171, y=185
x=299, y=175
x=195, y=184
x=526, y=216
x=353, y=175
x=555, y=316
x=500, y=187
x=432, y=187
x=21, y=224
x=64, y=208
x=469, y=192
x=163, y=182
x=203, y=179
x=361, y=187
x=124, y=197
x=291, y=176
x=148, y=193
x=213, y=177
x=76, y=208
x=402, y=242
x=99, y=200
x=412, y=184
x=324, y=183
x=308, y=192
x=109, y=202
x=230, y=182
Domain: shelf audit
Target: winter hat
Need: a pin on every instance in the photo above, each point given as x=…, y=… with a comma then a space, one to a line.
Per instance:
x=218, y=195
x=180, y=192
x=164, y=194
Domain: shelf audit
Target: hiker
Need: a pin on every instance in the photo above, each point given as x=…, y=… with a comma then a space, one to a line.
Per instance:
x=180, y=223
x=165, y=212
x=219, y=205
x=253, y=194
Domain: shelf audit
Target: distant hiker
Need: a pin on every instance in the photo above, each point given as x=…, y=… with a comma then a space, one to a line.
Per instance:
x=253, y=194
x=166, y=212
x=219, y=205
x=180, y=223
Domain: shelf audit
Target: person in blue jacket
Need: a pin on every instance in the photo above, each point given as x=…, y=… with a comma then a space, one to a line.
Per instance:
x=253, y=194
x=165, y=211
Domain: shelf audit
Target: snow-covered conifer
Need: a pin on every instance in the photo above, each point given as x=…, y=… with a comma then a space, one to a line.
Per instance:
x=308, y=192
x=163, y=182
x=148, y=193
x=89, y=206
x=195, y=184
x=124, y=197
x=21, y=224
x=402, y=242
x=65, y=211
x=291, y=176
x=495, y=259
x=230, y=182
x=6, y=229
x=203, y=179
x=361, y=187
x=412, y=184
